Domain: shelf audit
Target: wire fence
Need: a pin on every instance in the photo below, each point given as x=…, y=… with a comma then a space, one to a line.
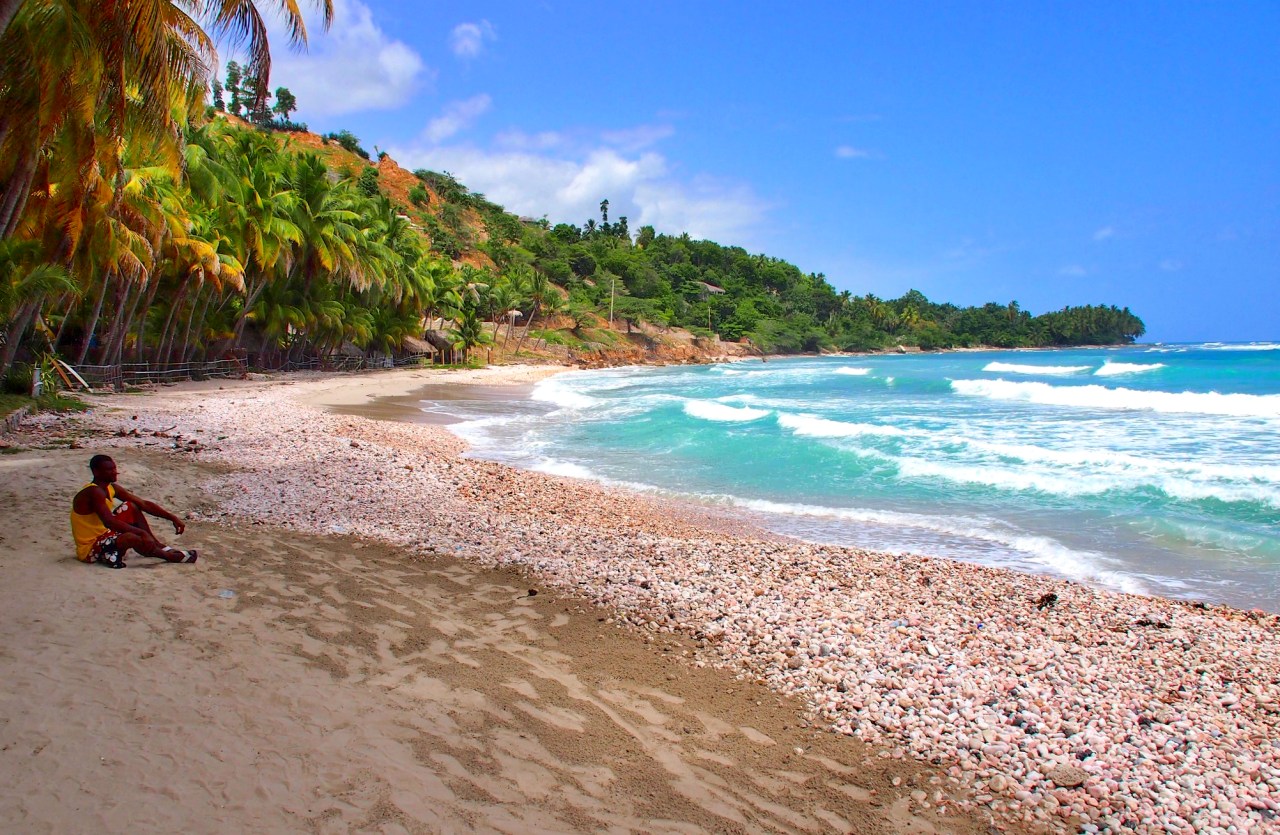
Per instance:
x=128, y=375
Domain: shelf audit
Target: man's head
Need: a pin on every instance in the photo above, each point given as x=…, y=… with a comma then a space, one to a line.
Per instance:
x=103, y=469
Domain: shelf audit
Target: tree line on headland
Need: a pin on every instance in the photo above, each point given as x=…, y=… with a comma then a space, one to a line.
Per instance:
x=142, y=222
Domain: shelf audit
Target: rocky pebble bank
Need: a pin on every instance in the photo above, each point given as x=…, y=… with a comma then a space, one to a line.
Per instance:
x=1048, y=702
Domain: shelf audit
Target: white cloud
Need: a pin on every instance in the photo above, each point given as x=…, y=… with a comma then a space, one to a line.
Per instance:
x=1171, y=265
x=521, y=141
x=1104, y=233
x=1073, y=270
x=582, y=142
x=637, y=138
x=355, y=66
x=850, y=152
x=467, y=39
x=568, y=183
x=457, y=116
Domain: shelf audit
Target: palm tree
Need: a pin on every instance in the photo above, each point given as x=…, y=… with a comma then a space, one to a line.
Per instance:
x=469, y=331
x=82, y=83
x=503, y=298
x=24, y=283
x=539, y=292
x=326, y=219
x=235, y=20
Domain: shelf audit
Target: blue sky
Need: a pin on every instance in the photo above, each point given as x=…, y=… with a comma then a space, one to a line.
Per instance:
x=1053, y=153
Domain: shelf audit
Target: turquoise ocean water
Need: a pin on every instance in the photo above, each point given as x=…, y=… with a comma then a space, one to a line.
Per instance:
x=1152, y=469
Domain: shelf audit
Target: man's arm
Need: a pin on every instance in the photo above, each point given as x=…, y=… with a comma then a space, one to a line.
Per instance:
x=98, y=499
x=152, y=508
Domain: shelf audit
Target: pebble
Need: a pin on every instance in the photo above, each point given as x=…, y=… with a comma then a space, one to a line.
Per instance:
x=1067, y=776
x=962, y=671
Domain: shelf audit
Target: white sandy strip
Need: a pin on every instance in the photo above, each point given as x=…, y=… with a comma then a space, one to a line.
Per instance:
x=1101, y=709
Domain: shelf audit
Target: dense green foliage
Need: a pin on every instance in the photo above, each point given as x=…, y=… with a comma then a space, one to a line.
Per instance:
x=348, y=141
x=133, y=230
x=701, y=285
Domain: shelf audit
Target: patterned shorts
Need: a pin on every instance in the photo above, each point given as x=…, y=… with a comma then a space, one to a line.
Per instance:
x=106, y=550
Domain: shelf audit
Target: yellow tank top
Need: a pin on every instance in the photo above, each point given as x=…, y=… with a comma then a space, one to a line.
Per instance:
x=87, y=527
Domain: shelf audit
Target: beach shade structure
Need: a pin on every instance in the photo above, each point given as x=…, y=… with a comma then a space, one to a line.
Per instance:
x=443, y=345
x=413, y=345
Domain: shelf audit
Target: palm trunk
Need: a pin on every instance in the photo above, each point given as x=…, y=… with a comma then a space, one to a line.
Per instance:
x=62, y=327
x=249, y=302
x=115, y=347
x=139, y=338
x=92, y=324
x=128, y=325
x=186, y=332
x=17, y=327
x=16, y=192
x=120, y=297
x=188, y=353
x=168, y=334
x=532, y=315
x=8, y=8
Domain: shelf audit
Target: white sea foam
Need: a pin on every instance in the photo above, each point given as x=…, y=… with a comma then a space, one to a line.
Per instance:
x=1113, y=369
x=553, y=390
x=710, y=410
x=819, y=427
x=1004, y=478
x=1015, y=368
x=476, y=432
x=1189, y=490
x=1115, y=460
x=742, y=372
x=551, y=466
x=1251, y=346
x=1101, y=397
x=853, y=371
x=1039, y=551
x=1078, y=482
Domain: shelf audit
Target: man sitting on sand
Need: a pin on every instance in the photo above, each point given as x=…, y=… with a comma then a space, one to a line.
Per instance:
x=104, y=532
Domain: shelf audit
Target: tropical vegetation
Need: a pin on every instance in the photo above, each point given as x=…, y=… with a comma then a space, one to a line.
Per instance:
x=142, y=219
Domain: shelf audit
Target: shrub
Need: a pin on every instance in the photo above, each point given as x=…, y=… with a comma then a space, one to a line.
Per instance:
x=18, y=380
x=367, y=184
x=347, y=140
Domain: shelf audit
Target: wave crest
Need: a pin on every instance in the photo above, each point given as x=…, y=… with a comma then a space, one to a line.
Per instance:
x=708, y=410
x=558, y=394
x=1101, y=397
x=813, y=426
x=1112, y=369
x=1015, y=368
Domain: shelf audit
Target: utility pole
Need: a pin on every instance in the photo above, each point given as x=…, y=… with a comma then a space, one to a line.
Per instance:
x=613, y=282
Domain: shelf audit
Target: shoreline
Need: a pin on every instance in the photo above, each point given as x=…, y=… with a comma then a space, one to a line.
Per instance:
x=1099, y=707
x=430, y=404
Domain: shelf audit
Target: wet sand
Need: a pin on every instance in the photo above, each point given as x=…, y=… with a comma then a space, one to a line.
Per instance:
x=417, y=406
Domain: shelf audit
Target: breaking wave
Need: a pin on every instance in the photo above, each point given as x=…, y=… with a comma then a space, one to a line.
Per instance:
x=1101, y=397
x=1014, y=368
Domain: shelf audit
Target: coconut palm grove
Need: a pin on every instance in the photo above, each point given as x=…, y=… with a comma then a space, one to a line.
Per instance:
x=150, y=213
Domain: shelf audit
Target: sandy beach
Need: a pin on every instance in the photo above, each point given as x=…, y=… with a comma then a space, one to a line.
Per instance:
x=359, y=648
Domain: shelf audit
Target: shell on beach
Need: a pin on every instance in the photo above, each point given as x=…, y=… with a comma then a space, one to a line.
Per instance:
x=1103, y=711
